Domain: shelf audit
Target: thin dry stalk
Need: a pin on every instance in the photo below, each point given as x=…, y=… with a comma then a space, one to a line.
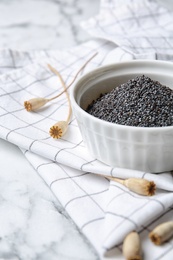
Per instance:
x=73, y=80
x=36, y=103
x=60, y=128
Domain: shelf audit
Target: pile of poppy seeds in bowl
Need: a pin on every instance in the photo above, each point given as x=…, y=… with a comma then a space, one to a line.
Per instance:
x=139, y=102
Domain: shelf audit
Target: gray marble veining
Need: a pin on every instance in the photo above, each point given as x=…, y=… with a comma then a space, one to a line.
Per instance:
x=44, y=24
x=33, y=225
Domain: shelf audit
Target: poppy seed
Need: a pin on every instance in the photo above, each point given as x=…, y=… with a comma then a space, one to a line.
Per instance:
x=140, y=102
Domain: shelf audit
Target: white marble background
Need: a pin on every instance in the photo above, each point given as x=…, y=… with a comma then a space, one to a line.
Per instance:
x=33, y=225
x=44, y=24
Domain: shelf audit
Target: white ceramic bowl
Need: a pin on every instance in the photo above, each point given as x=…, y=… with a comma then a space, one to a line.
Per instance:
x=141, y=148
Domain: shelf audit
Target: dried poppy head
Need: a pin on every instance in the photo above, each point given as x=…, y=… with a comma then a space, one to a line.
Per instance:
x=59, y=129
x=141, y=186
x=35, y=103
x=162, y=233
x=137, y=185
x=132, y=247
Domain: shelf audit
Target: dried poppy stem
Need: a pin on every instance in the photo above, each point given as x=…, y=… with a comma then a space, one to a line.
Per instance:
x=162, y=233
x=36, y=103
x=132, y=247
x=73, y=80
x=65, y=90
x=137, y=185
x=60, y=128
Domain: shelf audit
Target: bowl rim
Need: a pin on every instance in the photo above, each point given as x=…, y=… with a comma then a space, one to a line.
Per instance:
x=84, y=77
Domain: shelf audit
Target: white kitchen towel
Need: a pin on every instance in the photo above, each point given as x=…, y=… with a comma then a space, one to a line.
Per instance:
x=104, y=211
x=30, y=130
x=99, y=208
x=139, y=27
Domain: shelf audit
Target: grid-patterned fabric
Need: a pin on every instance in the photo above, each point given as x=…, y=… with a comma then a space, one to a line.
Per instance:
x=104, y=211
x=137, y=26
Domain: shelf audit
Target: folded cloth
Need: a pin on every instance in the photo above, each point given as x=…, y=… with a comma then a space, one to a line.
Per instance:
x=31, y=130
x=104, y=211
x=139, y=27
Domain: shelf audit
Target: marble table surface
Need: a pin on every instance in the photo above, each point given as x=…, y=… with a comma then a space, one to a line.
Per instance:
x=33, y=224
